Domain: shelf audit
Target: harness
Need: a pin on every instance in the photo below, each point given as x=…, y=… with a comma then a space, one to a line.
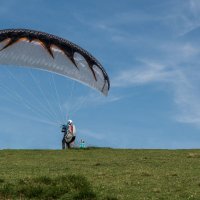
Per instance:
x=69, y=134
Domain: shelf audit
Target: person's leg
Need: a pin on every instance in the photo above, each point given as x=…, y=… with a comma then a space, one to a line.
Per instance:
x=63, y=143
x=68, y=145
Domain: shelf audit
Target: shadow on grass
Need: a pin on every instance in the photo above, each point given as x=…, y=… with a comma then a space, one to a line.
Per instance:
x=73, y=187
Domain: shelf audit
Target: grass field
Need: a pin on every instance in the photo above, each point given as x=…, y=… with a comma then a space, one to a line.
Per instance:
x=110, y=174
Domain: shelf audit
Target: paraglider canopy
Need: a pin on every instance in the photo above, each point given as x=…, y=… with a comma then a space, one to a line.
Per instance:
x=23, y=47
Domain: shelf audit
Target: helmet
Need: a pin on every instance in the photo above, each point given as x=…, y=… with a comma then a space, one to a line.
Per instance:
x=69, y=121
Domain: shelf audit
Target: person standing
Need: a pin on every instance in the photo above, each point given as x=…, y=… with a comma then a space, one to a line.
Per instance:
x=82, y=144
x=69, y=136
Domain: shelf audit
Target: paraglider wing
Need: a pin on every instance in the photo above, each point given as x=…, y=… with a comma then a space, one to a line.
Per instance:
x=22, y=47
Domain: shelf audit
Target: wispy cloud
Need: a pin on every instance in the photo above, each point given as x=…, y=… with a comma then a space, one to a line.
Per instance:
x=172, y=63
x=147, y=73
x=187, y=97
x=177, y=18
x=178, y=70
x=184, y=17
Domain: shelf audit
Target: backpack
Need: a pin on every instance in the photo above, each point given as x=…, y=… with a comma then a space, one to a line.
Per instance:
x=69, y=133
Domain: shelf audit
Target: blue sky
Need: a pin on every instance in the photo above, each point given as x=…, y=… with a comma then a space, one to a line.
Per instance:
x=150, y=50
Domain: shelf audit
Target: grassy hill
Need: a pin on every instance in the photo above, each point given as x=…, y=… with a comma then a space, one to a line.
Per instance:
x=100, y=174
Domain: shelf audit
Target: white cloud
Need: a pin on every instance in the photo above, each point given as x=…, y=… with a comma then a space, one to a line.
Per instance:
x=149, y=72
x=187, y=98
x=178, y=69
x=173, y=62
x=184, y=17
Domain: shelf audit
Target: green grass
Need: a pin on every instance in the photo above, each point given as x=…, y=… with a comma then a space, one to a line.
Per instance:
x=97, y=174
x=63, y=187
